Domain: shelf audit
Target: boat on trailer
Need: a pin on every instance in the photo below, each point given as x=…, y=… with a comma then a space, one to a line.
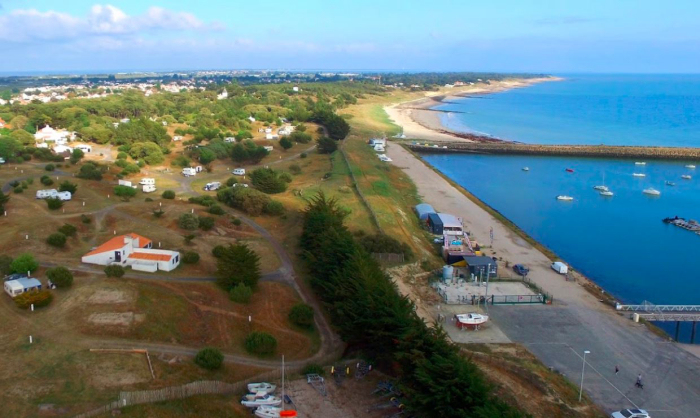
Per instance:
x=470, y=320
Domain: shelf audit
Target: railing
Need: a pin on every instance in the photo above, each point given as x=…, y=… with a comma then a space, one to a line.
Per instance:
x=650, y=307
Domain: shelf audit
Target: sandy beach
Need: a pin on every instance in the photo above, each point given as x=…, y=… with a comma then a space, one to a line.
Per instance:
x=418, y=122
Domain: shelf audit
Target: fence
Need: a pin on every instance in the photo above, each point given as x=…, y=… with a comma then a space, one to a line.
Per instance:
x=541, y=299
x=389, y=258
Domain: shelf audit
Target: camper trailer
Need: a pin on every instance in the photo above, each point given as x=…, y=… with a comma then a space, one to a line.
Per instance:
x=189, y=171
x=239, y=172
x=45, y=194
x=126, y=183
x=16, y=287
x=148, y=188
x=212, y=186
x=147, y=181
x=65, y=196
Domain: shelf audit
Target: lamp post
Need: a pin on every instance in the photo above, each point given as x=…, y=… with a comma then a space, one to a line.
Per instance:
x=583, y=370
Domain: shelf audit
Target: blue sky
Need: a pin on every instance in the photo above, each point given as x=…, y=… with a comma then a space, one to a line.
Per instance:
x=441, y=35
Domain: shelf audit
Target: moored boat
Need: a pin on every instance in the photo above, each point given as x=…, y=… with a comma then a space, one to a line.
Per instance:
x=607, y=193
x=670, y=183
x=640, y=163
x=526, y=168
x=639, y=174
x=651, y=191
x=690, y=166
x=470, y=320
x=601, y=188
x=564, y=197
x=686, y=177
x=569, y=170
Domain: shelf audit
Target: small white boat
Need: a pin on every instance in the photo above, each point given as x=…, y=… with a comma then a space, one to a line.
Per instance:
x=268, y=412
x=686, y=177
x=670, y=183
x=470, y=320
x=606, y=193
x=564, y=197
x=253, y=400
x=640, y=163
x=690, y=166
x=262, y=387
x=601, y=188
x=526, y=168
x=639, y=174
x=652, y=192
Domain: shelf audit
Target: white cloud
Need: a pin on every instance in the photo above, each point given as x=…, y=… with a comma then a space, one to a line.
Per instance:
x=26, y=25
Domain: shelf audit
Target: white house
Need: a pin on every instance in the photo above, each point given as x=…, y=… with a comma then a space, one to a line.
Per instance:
x=222, y=95
x=16, y=287
x=250, y=118
x=60, y=149
x=230, y=139
x=49, y=134
x=295, y=89
x=135, y=251
x=268, y=130
x=177, y=138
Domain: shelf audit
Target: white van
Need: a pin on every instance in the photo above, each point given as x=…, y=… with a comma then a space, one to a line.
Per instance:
x=212, y=186
x=147, y=181
x=189, y=171
x=148, y=188
x=560, y=267
x=239, y=172
x=65, y=196
x=45, y=194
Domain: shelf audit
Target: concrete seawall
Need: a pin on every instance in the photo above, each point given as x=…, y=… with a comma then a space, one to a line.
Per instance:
x=592, y=151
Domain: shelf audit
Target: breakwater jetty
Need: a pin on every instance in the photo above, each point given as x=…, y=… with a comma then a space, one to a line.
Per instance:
x=592, y=151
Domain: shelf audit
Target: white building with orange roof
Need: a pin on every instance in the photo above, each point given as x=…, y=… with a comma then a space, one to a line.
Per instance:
x=133, y=250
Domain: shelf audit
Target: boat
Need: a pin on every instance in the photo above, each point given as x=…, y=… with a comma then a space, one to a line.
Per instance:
x=686, y=177
x=470, y=320
x=690, y=166
x=670, y=183
x=569, y=170
x=275, y=411
x=253, y=400
x=651, y=191
x=639, y=174
x=526, y=168
x=564, y=197
x=261, y=387
x=606, y=193
x=601, y=188
x=640, y=163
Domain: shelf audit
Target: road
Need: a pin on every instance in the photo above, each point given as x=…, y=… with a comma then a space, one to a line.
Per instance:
x=559, y=334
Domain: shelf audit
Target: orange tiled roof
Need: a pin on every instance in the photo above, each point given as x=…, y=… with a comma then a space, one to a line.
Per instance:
x=118, y=243
x=149, y=256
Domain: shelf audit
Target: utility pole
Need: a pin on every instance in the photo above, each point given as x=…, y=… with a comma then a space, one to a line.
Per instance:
x=583, y=370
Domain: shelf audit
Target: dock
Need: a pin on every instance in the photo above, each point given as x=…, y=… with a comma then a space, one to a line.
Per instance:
x=689, y=225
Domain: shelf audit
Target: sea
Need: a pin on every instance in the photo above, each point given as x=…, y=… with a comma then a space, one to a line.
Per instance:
x=619, y=242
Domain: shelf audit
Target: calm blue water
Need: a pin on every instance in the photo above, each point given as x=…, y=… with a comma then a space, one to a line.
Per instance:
x=618, y=242
x=588, y=109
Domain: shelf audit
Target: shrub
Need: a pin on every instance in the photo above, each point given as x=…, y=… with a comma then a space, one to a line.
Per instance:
x=249, y=200
x=295, y=169
x=24, y=263
x=181, y=161
x=260, y=343
x=286, y=177
x=49, y=167
x=18, y=190
x=206, y=223
x=202, y=200
x=90, y=171
x=76, y=156
x=85, y=219
x=273, y=208
x=302, y=315
x=56, y=240
x=158, y=213
x=46, y=180
x=313, y=368
x=241, y=293
x=216, y=210
x=268, y=181
x=38, y=298
x=114, y=271
x=68, y=230
x=168, y=194
x=231, y=181
x=122, y=156
x=236, y=222
x=303, y=155
x=209, y=358
x=125, y=192
x=188, y=238
x=67, y=186
x=382, y=243
x=188, y=221
x=218, y=251
x=15, y=183
x=300, y=137
x=60, y=276
x=286, y=143
x=326, y=145
x=54, y=203
x=190, y=257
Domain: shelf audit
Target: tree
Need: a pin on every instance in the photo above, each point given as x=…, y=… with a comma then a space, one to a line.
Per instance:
x=209, y=358
x=206, y=223
x=125, y=192
x=9, y=148
x=326, y=145
x=268, y=181
x=300, y=137
x=286, y=143
x=241, y=293
x=239, y=153
x=57, y=240
x=114, y=271
x=54, y=203
x=4, y=200
x=238, y=264
x=260, y=343
x=24, y=263
x=168, y=194
x=76, y=156
x=302, y=315
x=249, y=200
x=68, y=230
x=60, y=276
x=90, y=171
x=206, y=156
x=23, y=137
x=148, y=151
x=188, y=221
x=190, y=257
x=67, y=186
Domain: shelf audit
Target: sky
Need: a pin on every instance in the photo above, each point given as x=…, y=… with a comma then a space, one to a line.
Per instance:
x=545, y=36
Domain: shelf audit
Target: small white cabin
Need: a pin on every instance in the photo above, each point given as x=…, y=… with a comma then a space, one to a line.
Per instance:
x=177, y=138
x=189, y=171
x=147, y=181
x=268, y=148
x=230, y=139
x=212, y=186
x=148, y=188
x=239, y=171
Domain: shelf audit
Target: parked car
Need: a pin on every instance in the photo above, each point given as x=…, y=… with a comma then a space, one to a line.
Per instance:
x=630, y=413
x=521, y=269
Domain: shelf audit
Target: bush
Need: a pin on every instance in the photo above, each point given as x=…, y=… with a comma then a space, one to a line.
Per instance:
x=49, y=167
x=231, y=181
x=181, y=161
x=54, y=203
x=300, y=137
x=68, y=230
x=241, y=293
x=188, y=221
x=18, y=190
x=260, y=343
x=286, y=143
x=60, y=276
x=209, y=358
x=168, y=194
x=236, y=222
x=67, y=186
x=90, y=171
x=114, y=271
x=303, y=155
x=56, y=240
x=285, y=177
x=216, y=210
x=249, y=200
x=206, y=223
x=24, y=263
x=268, y=181
x=85, y=219
x=218, y=251
x=125, y=192
x=46, y=180
x=76, y=156
x=158, y=213
x=313, y=368
x=326, y=145
x=190, y=257
x=302, y=315
x=382, y=243
x=273, y=208
x=122, y=156
x=38, y=298
x=295, y=169
x=202, y=200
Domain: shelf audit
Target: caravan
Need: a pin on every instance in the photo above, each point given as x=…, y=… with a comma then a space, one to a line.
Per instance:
x=65, y=196
x=212, y=186
x=126, y=183
x=147, y=181
x=239, y=172
x=45, y=194
x=148, y=188
x=189, y=171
